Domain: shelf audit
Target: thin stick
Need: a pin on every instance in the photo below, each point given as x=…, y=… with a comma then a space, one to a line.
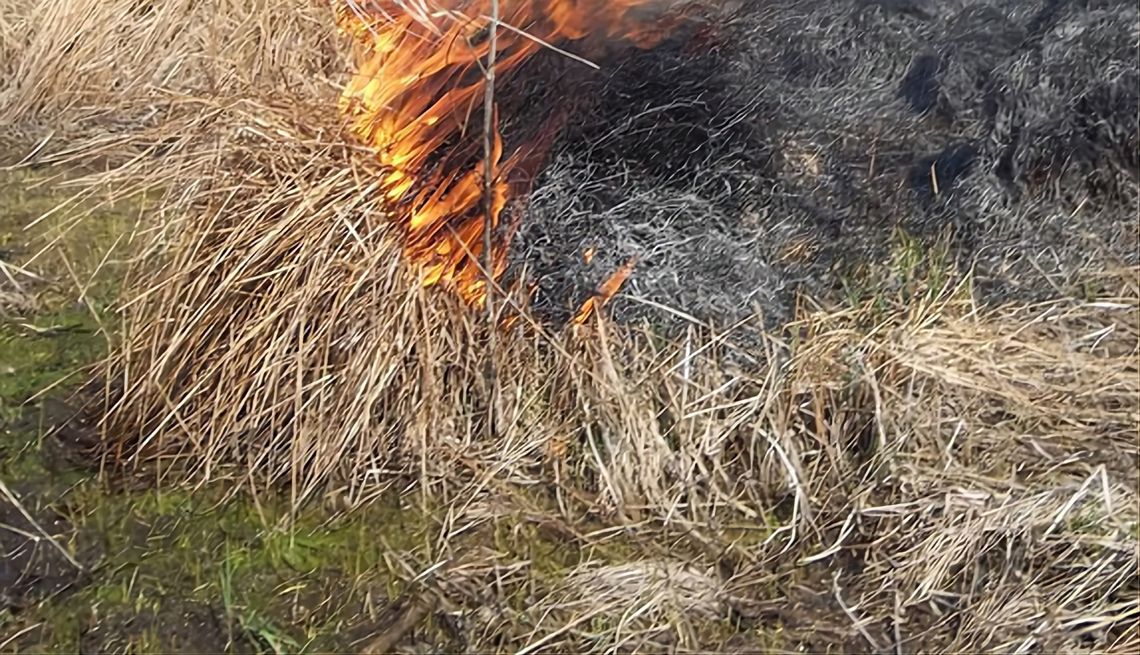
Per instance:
x=488, y=213
x=416, y=612
x=851, y=614
x=11, y=498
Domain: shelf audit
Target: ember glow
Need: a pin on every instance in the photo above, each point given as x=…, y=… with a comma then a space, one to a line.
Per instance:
x=413, y=99
x=605, y=291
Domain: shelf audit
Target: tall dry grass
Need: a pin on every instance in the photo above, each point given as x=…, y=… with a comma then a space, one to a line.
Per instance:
x=909, y=472
x=107, y=71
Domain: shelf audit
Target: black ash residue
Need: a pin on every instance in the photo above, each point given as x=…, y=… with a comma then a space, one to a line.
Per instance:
x=786, y=149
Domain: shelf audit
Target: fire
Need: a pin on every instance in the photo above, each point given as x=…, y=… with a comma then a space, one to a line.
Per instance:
x=412, y=99
x=605, y=291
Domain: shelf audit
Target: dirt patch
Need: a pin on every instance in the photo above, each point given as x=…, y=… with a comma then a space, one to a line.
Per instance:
x=34, y=539
x=179, y=627
x=46, y=556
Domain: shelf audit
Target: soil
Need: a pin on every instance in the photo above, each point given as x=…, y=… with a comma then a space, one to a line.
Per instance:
x=36, y=574
x=33, y=569
x=135, y=588
x=66, y=539
x=179, y=627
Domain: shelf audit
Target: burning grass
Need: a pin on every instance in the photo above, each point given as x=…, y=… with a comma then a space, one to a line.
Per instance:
x=906, y=470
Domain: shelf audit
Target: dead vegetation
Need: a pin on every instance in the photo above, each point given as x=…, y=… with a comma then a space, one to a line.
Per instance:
x=899, y=473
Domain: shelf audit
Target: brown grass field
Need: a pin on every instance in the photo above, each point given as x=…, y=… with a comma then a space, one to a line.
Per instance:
x=903, y=469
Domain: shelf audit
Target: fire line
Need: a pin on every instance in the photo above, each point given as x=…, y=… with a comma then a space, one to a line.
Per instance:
x=418, y=81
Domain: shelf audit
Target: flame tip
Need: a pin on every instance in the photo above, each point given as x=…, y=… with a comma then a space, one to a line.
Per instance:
x=406, y=87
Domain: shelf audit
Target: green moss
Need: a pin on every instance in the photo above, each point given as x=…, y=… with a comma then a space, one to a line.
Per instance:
x=271, y=580
x=50, y=347
x=77, y=279
x=30, y=360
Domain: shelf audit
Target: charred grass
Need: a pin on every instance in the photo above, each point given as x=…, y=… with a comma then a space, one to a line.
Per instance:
x=293, y=444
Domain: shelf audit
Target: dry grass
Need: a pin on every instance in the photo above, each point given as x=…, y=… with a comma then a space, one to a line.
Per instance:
x=907, y=473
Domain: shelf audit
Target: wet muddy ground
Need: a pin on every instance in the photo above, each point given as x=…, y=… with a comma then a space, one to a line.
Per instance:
x=92, y=568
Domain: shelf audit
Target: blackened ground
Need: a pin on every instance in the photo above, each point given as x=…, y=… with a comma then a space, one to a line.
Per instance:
x=784, y=151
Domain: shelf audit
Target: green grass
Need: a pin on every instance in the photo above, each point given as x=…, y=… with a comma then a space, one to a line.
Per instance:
x=912, y=271
x=32, y=362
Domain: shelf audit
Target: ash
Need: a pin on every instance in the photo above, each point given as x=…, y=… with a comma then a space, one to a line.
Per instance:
x=784, y=149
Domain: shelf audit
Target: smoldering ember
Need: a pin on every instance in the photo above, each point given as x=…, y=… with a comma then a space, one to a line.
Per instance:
x=678, y=326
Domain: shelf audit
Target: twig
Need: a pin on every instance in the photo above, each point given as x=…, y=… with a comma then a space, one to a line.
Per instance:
x=851, y=614
x=489, y=171
x=419, y=610
x=546, y=44
x=20, y=633
x=11, y=497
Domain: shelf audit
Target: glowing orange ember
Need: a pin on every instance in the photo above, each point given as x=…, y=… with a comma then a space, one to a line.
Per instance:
x=412, y=98
x=605, y=291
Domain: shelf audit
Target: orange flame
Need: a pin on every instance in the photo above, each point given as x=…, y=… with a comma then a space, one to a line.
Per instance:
x=606, y=291
x=419, y=81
